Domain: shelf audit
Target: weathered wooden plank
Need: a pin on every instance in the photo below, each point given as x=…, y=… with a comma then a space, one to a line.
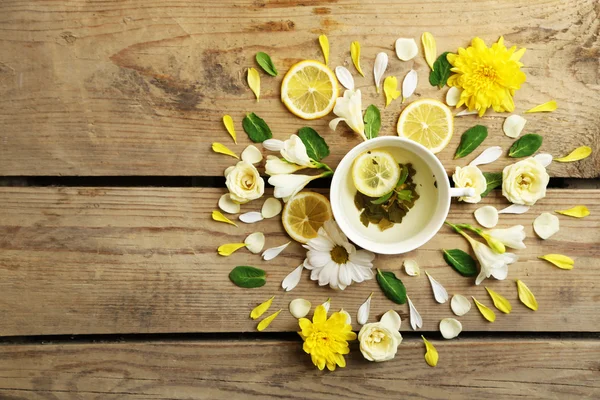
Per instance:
x=139, y=87
x=468, y=369
x=80, y=260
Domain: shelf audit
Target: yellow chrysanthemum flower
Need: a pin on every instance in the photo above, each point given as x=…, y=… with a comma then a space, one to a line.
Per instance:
x=326, y=340
x=488, y=77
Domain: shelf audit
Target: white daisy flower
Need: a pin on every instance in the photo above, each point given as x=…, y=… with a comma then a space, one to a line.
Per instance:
x=334, y=261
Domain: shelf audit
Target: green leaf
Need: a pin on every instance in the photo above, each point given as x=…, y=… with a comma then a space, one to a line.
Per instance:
x=392, y=287
x=383, y=198
x=493, y=180
x=525, y=146
x=266, y=63
x=316, y=147
x=403, y=176
x=441, y=71
x=462, y=262
x=405, y=195
x=248, y=277
x=372, y=121
x=470, y=140
x=257, y=129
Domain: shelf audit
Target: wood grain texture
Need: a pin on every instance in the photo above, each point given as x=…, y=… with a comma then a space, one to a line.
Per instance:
x=83, y=261
x=139, y=87
x=468, y=369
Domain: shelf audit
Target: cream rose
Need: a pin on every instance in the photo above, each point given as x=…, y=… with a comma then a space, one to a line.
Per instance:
x=244, y=182
x=379, y=341
x=470, y=177
x=524, y=182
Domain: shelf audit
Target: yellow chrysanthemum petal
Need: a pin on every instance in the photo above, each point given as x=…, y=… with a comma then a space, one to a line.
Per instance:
x=561, y=261
x=219, y=217
x=546, y=107
x=390, y=88
x=324, y=42
x=485, y=310
x=577, y=212
x=578, y=154
x=229, y=248
x=264, y=324
x=355, y=54
x=526, y=296
x=254, y=82
x=228, y=122
x=500, y=302
x=222, y=149
x=429, y=47
x=431, y=355
x=261, y=308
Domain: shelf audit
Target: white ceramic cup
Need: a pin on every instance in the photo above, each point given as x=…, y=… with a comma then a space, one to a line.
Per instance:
x=421, y=223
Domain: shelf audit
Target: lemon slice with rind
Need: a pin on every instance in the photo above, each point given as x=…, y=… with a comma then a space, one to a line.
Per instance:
x=304, y=214
x=428, y=122
x=375, y=173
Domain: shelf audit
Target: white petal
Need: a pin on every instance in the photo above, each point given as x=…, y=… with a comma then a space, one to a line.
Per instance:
x=255, y=242
x=453, y=96
x=271, y=207
x=228, y=170
x=293, y=278
x=348, y=317
x=450, y=328
x=327, y=304
x=273, y=144
x=487, y=156
x=486, y=216
x=514, y=209
x=460, y=305
x=391, y=320
x=325, y=274
x=546, y=225
x=273, y=252
x=228, y=205
x=333, y=276
x=299, y=308
x=513, y=126
x=409, y=84
x=251, y=217
x=412, y=268
x=439, y=292
x=345, y=275
x=345, y=77
x=465, y=112
x=334, y=123
x=363, y=311
x=252, y=155
x=415, y=318
x=544, y=158
x=406, y=49
x=381, y=62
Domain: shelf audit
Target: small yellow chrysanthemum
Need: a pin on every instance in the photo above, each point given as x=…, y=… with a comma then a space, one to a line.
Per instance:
x=488, y=77
x=326, y=340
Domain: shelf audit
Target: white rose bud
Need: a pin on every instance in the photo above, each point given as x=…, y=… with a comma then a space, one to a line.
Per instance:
x=470, y=177
x=524, y=182
x=244, y=182
x=379, y=341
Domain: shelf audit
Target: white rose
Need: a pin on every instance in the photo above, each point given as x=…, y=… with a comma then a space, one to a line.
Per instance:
x=244, y=182
x=524, y=182
x=470, y=177
x=379, y=341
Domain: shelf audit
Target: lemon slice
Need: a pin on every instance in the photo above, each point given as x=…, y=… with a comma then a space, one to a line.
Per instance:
x=309, y=89
x=428, y=122
x=375, y=173
x=304, y=214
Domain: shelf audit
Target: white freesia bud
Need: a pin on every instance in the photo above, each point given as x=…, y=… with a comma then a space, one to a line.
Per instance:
x=492, y=263
x=273, y=144
x=510, y=237
x=524, y=182
x=294, y=151
x=470, y=177
x=244, y=183
x=288, y=185
x=349, y=110
x=379, y=341
x=277, y=166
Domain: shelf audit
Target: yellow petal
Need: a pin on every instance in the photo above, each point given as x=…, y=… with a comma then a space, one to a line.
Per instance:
x=355, y=54
x=261, y=308
x=485, y=311
x=222, y=149
x=390, y=88
x=431, y=356
x=561, y=261
x=526, y=296
x=228, y=122
x=229, y=248
x=264, y=324
x=219, y=217
x=546, y=107
x=429, y=48
x=254, y=82
x=324, y=42
x=577, y=212
x=500, y=301
x=578, y=154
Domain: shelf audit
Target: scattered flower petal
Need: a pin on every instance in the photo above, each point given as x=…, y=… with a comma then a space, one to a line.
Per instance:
x=228, y=122
x=273, y=252
x=577, y=212
x=299, y=308
x=544, y=158
x=254, y=82
x=453, y=96
x=264, y=324
x=390, y=88
x=255, y=242
x=460, y=305
x=412, y=268
x=229, y=248
x=515, y=209
x=217, y=216
x=526, y=296
x=228, y=205
x=293, y=278
x=392, y=320
x=429, y=47
x=487, y=156
x=409, y=84
x=363, y=311
x=513, y=126
x=439, y=292
x=252, y=155
x=465, y=112
x=578, y=154
x=381, y=62
x=250, y=217
x=345, y=77
x=500, y=302
x=273, y=144
x=261, y=308
x=546, y=225
x=327, y=304
x=546, y=107
x=348, y=317
x=486, y=216
x=485, y=311
x=271, y=208
x=415, y=318
x=450, y=328
x=431, y=356
x=355, y=54
x=324, y=42
x=406, y=49
x=222, y=149
x=561, y=261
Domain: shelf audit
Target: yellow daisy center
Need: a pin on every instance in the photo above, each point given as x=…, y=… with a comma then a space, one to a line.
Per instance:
x=339, y=254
